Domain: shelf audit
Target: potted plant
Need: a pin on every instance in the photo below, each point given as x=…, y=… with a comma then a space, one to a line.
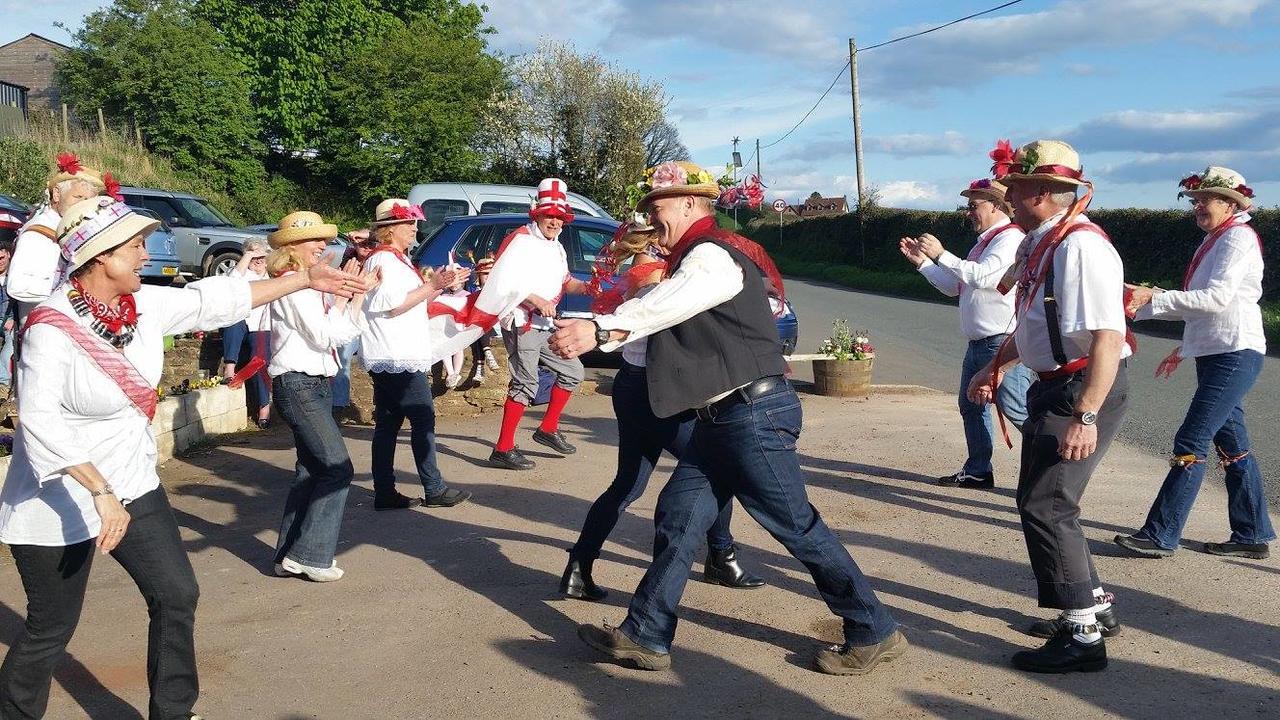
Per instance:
x=846, y=369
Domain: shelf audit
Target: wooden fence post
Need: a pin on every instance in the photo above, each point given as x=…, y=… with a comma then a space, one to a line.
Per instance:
x=102, y=126
x=65, y=137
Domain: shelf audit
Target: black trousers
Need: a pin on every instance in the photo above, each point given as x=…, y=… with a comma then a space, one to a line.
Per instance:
x=55, y=579
x=1050, y=488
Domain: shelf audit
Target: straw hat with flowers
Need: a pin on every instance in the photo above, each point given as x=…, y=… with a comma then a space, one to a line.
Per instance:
x=301, y=226
x=1220, y=182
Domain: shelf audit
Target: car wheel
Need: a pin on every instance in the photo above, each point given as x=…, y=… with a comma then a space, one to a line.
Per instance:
x=221, y=264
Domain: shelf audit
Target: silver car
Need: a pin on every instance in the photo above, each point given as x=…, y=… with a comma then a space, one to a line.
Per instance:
x=206, y=242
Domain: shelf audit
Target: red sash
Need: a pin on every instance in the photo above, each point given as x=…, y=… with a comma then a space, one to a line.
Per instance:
x=984, y=240
x=706, y=228
x=1208, y=244
x=110, y=361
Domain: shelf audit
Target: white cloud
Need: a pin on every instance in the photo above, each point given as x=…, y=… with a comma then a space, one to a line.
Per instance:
x=988, y=47
x=911, y=194
x=919, y=145
x=1178, y=131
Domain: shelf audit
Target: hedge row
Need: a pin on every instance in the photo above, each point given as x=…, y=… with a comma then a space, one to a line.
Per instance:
x=1156, y=245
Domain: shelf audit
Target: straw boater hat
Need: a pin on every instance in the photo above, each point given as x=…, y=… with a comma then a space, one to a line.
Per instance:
x=301, y=226
x=94, y=226
x=552, y=201
x=1222, y=182
x=394, y=211
x=69, y=168
x=1042, y=160
x=987, y=189
x=671, y=179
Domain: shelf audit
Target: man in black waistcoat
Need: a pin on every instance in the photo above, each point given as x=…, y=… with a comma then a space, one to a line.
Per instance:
x=714, y=351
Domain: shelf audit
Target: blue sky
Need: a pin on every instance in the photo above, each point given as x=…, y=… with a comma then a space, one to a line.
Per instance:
x=1147, y=90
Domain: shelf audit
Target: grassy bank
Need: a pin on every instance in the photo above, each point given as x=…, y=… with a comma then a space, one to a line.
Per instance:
x=913, y=285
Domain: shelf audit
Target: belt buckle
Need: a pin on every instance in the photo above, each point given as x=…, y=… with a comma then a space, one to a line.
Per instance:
x=706, y=414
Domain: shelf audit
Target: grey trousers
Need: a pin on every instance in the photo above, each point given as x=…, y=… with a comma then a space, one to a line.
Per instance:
x=527, y=350
x=1050, y=488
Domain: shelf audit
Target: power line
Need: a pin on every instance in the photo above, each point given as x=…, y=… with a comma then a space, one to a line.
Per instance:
x=935, y=29
x=880, y=45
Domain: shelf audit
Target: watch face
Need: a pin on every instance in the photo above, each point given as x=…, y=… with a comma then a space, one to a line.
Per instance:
x=1088, y=418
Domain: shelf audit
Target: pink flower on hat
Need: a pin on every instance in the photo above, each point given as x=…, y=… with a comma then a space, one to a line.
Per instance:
x=668, y=174
x=1002, y=158
x=406, y=212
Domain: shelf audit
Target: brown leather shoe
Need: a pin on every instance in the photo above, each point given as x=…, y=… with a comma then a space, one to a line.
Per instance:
x=610, y=641
x=838, y=660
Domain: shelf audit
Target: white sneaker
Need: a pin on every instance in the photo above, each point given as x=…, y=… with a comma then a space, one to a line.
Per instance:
x=490, y=360
x=478, y=377
x=453, y=381
x=290, y=568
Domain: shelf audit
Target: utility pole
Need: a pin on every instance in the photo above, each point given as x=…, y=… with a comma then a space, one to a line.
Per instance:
x=758, y=159
x=857, y=119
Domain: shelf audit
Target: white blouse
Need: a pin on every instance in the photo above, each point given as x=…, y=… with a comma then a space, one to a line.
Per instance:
x=306, y=333
x=257, y=320
x=33, y=270
x=1220, y=304
x=401, y=343
x=72, y=414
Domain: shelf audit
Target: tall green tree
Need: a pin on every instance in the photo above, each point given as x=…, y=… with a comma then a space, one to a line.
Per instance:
x=293, y=48
x=406, y=108
x=154, y=63
x=575, y=116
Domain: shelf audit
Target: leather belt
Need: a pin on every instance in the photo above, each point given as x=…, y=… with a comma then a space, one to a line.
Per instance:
x=744, y=394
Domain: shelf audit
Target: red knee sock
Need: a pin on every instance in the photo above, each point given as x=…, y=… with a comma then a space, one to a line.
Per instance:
x=511, y=414
x=559, y=398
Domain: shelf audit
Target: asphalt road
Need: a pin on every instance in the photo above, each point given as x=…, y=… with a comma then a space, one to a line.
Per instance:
x=919, y=343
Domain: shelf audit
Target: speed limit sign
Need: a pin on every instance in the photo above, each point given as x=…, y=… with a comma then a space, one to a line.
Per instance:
x=779, y=205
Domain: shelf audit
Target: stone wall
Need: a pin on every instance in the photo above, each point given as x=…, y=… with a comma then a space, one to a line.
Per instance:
x=184, y=420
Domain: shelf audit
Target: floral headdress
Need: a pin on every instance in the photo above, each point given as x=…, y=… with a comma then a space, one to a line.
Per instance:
x=671, y=174
x=1220, y=181
x=1197, y=182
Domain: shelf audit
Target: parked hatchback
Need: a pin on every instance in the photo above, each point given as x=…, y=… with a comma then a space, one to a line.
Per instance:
x=448, y=199
x=162, y=266
x=473, y=237
x=207, y=243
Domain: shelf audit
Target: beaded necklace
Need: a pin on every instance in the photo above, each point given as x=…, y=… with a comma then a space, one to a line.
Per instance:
x=115, y=325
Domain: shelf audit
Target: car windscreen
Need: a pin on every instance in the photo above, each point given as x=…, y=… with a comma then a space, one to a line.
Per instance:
x=202, y=213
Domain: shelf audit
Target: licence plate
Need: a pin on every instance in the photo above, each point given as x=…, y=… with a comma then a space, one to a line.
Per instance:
x=169, y=271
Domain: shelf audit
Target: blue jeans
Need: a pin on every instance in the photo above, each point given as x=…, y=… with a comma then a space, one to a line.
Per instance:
x=318, y=495
x=1215, y=418
x=396, y=396
x=6, y=358
x=233, y=341
x=750, y=452
x=342, y=381
x=233, y=338
x=641, y=439
x=1012, y=397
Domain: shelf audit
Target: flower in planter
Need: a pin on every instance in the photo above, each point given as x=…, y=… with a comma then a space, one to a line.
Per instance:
x=844, y=344
x=6, y=444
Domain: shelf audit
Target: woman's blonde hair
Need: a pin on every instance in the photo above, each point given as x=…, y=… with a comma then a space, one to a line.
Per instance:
x=283, y=260
x=381, y=234
x=631, y=244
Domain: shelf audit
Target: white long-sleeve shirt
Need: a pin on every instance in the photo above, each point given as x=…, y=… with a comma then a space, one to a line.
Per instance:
x=73, y=414
x=707, y=277
x=33, y=271
x=1089, y=287
x=1220, y=304
x=306, y=332
x=401, y=343
x=984, y=311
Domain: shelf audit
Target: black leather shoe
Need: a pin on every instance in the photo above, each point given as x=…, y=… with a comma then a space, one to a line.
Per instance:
x=1108, y=625
x=512, y=459
x=722, y=568
x=555, y=441
x=1256, y=551
x=611, y=642
x=981, y=481
x=394, y=501
x=1063, y=654
x=1142, y=546
x=446, y=498
x=576, y=582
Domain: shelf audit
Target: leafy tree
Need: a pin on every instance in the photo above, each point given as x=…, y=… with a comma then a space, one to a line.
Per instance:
x=577, y=117
x=152, y=62
x=405, y=109
x=662, y=143
x=294, y=48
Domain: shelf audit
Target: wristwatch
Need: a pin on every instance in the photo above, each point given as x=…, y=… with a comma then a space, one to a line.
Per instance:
x=1085, y=417
x=602, y=335
x=106, y=490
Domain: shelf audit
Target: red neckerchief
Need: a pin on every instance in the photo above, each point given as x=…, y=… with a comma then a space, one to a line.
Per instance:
x=985, y=239
x=1208, y=244
x=112, y=319
x=706, y=228
x=399, y=254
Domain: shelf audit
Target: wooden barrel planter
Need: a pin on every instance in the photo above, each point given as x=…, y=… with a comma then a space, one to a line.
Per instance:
x=842, y=378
